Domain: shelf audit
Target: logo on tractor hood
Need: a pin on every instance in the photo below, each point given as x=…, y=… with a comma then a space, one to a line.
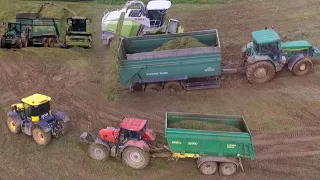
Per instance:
x=209, y=69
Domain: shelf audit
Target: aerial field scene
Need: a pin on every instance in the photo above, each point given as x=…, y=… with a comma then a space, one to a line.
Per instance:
x=159, y=89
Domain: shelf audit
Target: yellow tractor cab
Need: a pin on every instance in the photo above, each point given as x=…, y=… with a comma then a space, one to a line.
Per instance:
x=36, y=107
x=33, y=116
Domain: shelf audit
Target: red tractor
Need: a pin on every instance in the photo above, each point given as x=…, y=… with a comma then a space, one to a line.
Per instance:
x=130, y=142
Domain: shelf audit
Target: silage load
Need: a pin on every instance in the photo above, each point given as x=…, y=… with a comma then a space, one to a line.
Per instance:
x=200, y=125
x=181, y=43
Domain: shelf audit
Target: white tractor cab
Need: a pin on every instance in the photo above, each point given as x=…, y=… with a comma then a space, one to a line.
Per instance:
x=139, y=20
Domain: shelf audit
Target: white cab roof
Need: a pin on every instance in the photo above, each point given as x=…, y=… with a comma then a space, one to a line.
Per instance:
x=159, y=5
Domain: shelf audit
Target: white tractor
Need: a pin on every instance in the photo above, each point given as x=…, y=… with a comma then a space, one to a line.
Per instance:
x=139, y=20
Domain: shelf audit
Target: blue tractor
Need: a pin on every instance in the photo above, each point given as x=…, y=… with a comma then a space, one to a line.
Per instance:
x=33, y=116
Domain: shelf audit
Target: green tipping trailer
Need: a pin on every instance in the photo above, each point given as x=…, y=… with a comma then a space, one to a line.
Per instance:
x=43, y=31
x=140, y=67
x=214, y=149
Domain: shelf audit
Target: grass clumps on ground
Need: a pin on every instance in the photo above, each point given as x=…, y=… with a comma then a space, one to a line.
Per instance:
x=181, y=43
x=200, y=125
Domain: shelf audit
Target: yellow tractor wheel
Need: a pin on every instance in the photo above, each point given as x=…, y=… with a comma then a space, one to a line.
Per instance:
x=41, y=137
x=13, y=127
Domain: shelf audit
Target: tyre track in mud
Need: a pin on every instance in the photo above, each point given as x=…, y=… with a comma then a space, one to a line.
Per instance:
x=284, y=146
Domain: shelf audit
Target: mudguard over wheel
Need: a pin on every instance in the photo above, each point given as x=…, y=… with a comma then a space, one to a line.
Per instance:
x=41, y=137
x=173, y=86
x=227, y=169
x=153, y=87
x=260, y=72
x=13, y=127
x=208, y=168
x=135, y=157
x=19, y=44
x=99, y=152
x=302, y=67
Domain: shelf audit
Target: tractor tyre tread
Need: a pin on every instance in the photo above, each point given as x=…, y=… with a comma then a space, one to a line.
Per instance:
x=252, y=67
x=17, y=129
x=106, y=151
x=46, y=136
x=297, y=72
x=65, y=127
x=19, y=44
x=2, y=43
x=145, y=156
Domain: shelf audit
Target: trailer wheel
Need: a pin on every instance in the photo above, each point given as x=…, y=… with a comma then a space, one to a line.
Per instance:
x=208, y=168
x=41, y=137
x=227, y=169
x=45, y=42
x=153, y=87
x=135, y=157
x=260, y=72
x=51, y=42
x=19, y=43
x=302, y=67
x=99, y=152
x=13, y=127
x=25, y=43
x=173, y=86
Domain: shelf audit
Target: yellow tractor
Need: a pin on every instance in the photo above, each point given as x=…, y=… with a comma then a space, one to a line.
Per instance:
x=33, y=116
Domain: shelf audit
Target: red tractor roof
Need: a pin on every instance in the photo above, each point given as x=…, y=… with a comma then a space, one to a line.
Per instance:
x=133, y=124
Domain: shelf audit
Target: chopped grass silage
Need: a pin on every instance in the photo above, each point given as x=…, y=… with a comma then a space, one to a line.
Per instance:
x=181, y=43
x=200, y=125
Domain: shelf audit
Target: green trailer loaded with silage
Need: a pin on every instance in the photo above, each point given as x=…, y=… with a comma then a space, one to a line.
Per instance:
x=43, y=31
x=143, y=67
x=219, y=142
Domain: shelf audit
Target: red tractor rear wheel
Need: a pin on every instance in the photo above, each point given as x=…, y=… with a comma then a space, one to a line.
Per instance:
x=99, y=152
x=135, y=157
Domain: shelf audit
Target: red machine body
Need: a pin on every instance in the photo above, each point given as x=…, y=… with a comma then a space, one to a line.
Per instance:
x=109, y=134
x=139, y=126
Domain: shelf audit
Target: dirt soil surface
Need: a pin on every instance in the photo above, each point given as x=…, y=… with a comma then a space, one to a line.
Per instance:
x=283, y=115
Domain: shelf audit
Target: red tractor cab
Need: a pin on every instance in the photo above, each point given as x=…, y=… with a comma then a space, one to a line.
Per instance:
x=130, y=142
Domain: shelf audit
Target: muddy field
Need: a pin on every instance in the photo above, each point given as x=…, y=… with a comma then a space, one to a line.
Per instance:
x=284, y=115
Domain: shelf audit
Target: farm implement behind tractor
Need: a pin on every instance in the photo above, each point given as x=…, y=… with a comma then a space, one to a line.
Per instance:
x=33, y=29
x=214, y=149
x=34, y=117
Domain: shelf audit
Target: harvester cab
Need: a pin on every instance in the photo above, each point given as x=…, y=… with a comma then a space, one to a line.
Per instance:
x=130, y=142
x=266, y=55
x=139, y=20
x=79, y=32
x=33, y=116
x=16, y=34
